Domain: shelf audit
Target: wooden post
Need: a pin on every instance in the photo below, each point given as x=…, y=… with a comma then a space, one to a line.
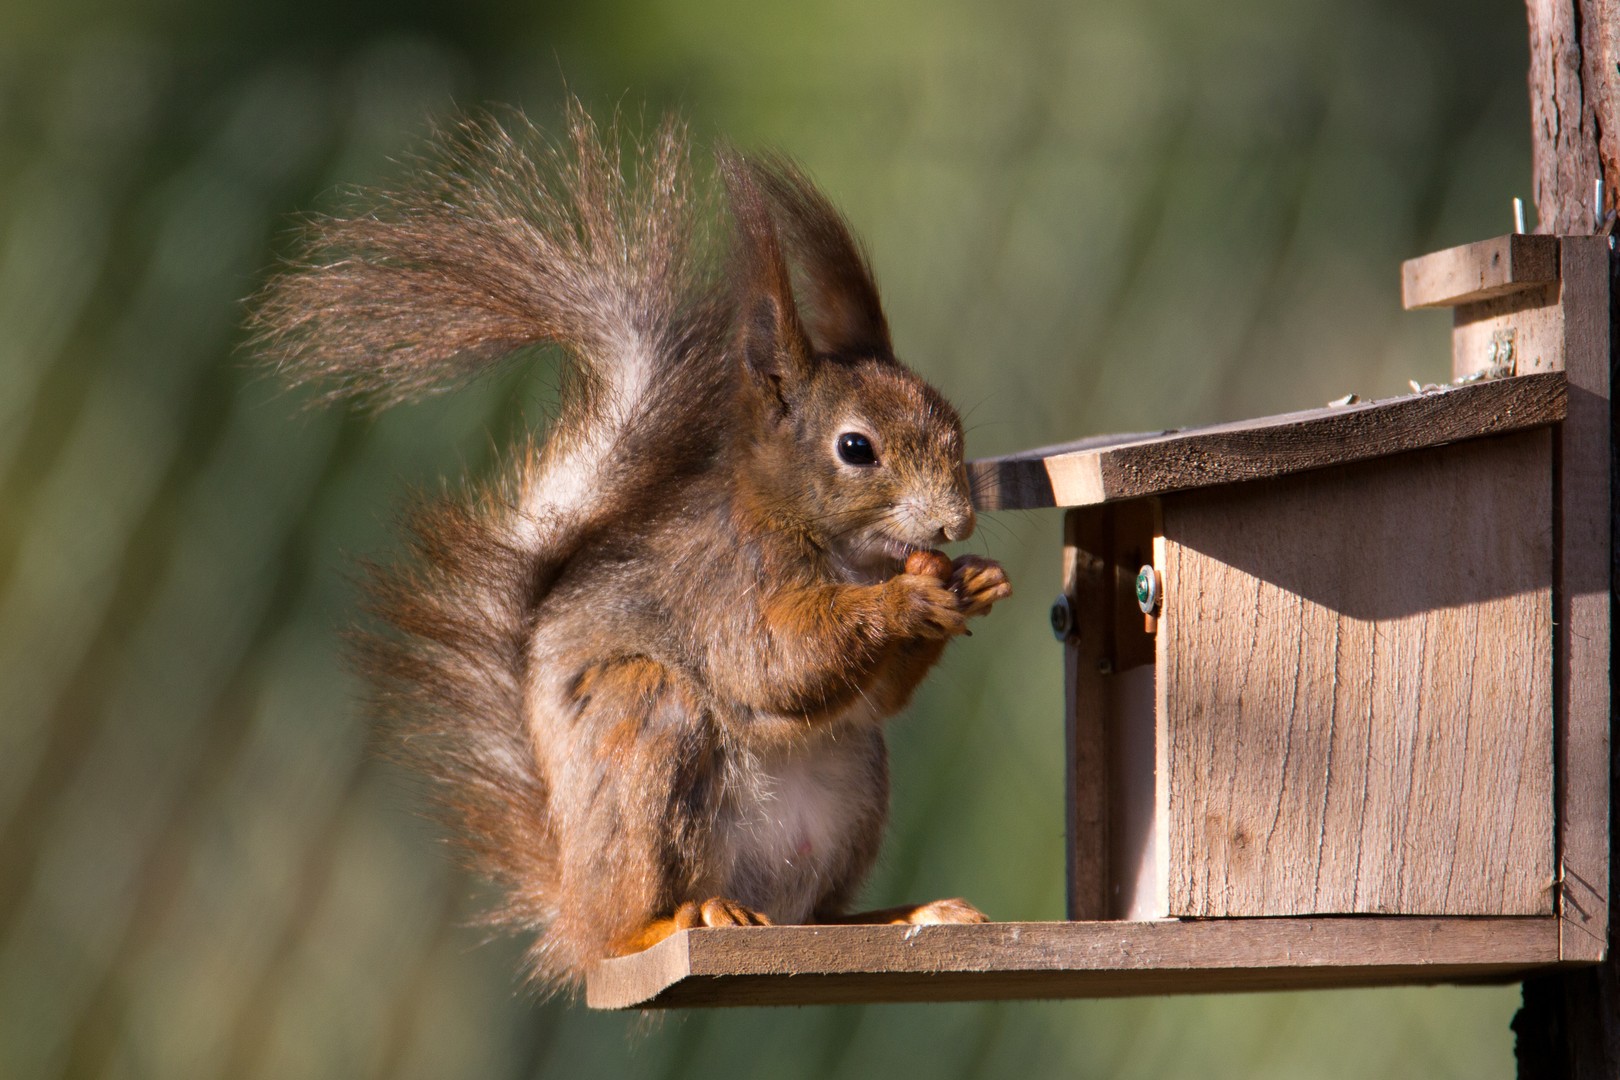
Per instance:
x=1574, y=94
x=1569, y=1025
x=1087, y=580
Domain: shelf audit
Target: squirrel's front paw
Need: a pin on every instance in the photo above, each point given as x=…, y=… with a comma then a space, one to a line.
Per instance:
x=979, y=583
x=922, y=606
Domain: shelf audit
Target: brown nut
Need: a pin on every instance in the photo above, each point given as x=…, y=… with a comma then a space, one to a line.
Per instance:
x=935, y=564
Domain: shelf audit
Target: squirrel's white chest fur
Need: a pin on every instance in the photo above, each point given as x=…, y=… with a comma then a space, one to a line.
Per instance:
x=786, y=823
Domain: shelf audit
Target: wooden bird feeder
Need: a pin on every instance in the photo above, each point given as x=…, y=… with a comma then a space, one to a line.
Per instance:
x=1337, y=691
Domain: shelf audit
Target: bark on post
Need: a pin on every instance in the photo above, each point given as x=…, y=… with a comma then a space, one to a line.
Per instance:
x=1575, y=127
x=1569, y=1025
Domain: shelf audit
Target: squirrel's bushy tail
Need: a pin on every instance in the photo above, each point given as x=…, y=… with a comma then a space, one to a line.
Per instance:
x=499, y=243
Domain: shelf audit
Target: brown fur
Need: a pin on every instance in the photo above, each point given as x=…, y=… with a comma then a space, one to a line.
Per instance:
x=650, y=662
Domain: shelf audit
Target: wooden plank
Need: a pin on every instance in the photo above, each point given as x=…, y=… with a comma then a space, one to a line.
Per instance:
x=1088, y=582
x=1101, y=471
x=1135, y=833
x=1583, y=603
x=1356, y=683
x=1569, y=1025
x=1477, y=271
x=1135, y=526
x=1163, y=643
x=1020, y=481
x=1109, y=742
x=1530, y=324
x=800, y=965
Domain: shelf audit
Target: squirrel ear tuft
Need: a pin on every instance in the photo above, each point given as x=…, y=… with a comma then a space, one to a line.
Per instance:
x=844, y=313
x=773, y=343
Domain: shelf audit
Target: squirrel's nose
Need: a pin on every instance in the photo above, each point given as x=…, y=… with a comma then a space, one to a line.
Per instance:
x=960, y=527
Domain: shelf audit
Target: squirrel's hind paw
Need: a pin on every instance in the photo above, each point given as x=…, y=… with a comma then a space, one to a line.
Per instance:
x=715, y=911
x=718, y=911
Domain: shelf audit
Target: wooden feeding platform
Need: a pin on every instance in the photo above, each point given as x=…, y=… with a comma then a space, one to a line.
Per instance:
x=822, y=965
x=1337, y=691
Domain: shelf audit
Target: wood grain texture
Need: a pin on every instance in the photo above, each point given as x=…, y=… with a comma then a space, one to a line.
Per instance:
x=1478, y=271
x=1583, y=612
x=1356, y=688
x=1098, y=472
x=802, y=965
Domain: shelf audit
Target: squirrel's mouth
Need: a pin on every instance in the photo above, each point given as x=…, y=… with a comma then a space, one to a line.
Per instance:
x=876, y=557
x=896, y=550
x=887, y=555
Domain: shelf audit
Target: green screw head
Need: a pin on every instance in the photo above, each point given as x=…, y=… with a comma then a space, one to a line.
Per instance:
x=1147, y=590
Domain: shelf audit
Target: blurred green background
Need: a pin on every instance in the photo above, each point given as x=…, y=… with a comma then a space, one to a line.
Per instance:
x=1087, y=216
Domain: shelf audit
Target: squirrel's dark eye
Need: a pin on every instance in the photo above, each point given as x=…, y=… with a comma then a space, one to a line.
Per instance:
x=856, y=449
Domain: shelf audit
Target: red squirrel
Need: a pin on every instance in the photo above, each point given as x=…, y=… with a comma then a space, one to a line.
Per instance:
x=649, y=663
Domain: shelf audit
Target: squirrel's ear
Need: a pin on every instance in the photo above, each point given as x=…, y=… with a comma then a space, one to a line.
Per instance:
x=772, y=341
x=843, y=311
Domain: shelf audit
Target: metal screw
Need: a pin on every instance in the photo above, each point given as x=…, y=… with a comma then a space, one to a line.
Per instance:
x=1148, y=594
x=1062, y=618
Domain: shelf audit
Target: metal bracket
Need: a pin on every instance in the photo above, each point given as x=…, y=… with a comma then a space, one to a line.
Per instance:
x=1501, y=358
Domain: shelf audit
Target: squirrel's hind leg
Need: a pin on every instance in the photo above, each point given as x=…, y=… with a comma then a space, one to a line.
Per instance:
x=638, y=765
